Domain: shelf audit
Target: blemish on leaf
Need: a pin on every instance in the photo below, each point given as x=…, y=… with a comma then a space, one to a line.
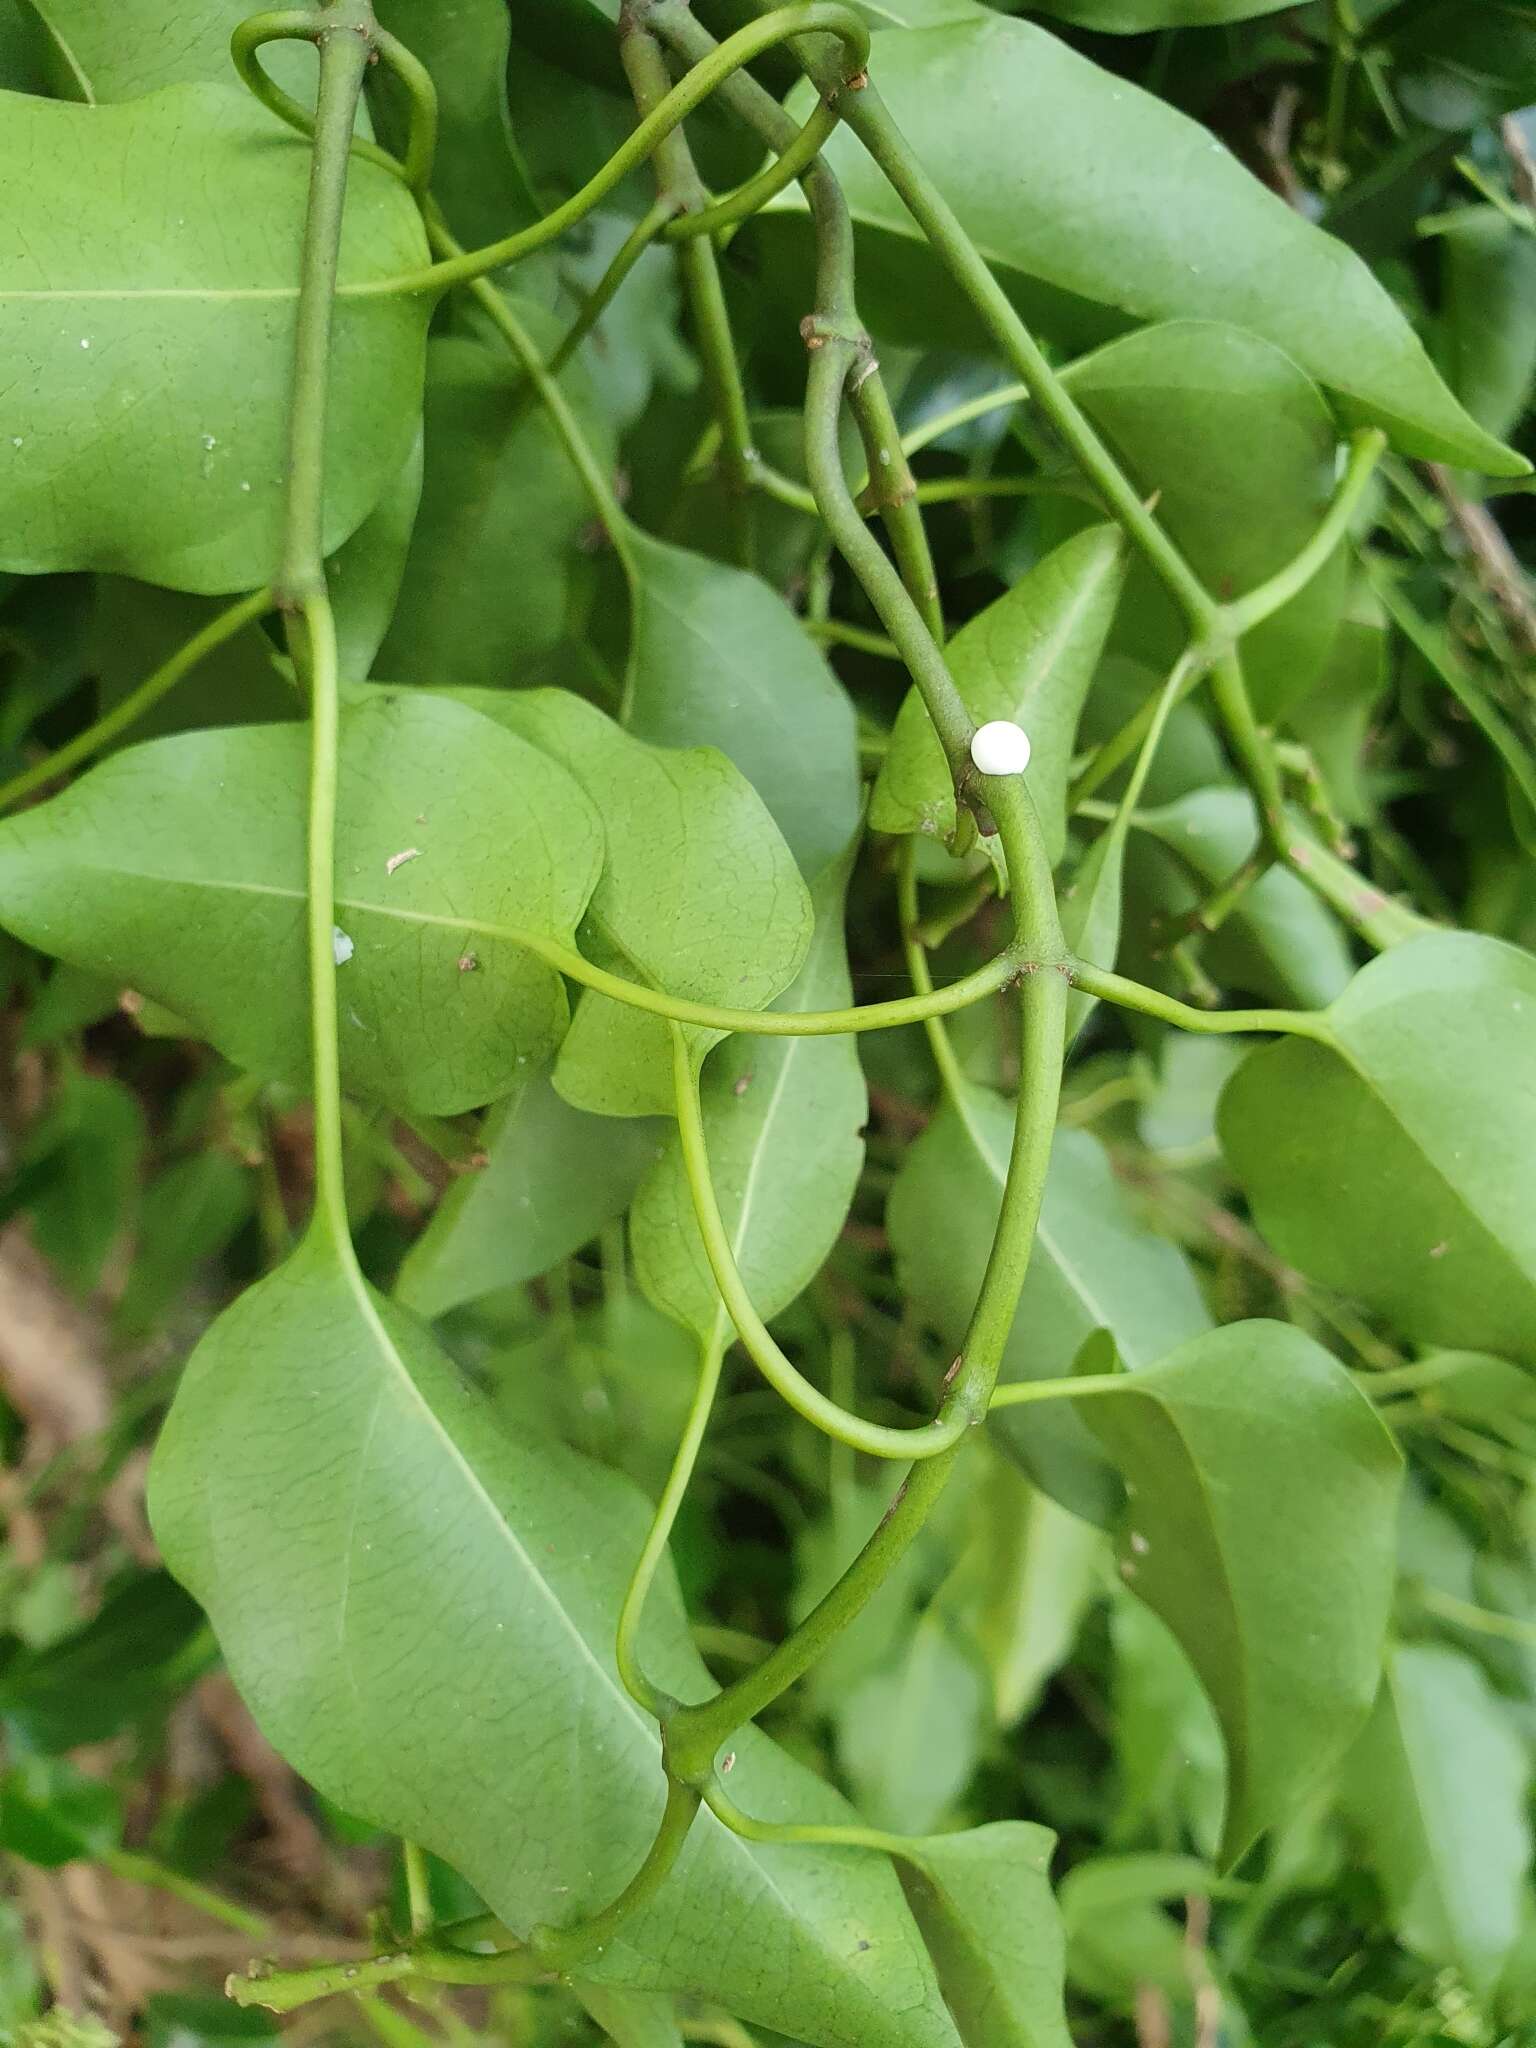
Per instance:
x=342, y=947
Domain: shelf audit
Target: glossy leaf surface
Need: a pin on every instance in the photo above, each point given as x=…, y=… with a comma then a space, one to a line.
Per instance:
x=425, y=1565
x=1168, y=226
x=1260, y=1524
x=699, y=895
x=1399, y=1167
x=717, y=659
x=170, y=226
x=178, y=868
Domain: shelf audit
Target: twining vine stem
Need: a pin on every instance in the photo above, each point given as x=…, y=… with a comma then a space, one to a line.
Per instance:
x=903, y=592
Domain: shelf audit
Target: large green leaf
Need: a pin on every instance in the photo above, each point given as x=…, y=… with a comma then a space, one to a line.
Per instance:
x=133, y=47
x=1261, y=1524
x=1399, y=1165
x=1094, y=1267
x=1436, y=1787
x=699, y=894
x=385, y=1566
x=718, y=659
x=553, y=1176
x=1029, y=657
x=1239, y=448
x=487, y=580
x=152, y=284
x=178, y=868
x=783, y=1119
x=983, y=1900
x=1152, y=218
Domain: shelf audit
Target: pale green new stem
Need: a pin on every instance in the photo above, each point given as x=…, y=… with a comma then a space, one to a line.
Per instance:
x=824, y=16
x=876, y=1441
x=1131, y=995
x=685, y=1459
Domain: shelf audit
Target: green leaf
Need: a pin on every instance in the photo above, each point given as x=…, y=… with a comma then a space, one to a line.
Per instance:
x=910, y=1733
x=1454, y=71
x=168, y=325
x=122, y=1667
x=1029, y=657
x=1399, y=1166
x=1436, y=1787
x=631, y=2019
x=1042, y=1569
x=1091, y=907
x=189, y=1213
x=1335, y=721
x=983, y=1900
x=1118, y=1939
x=1488, y=318
x=1138, y=17
x=488, y=577
x=122, y=52
x=1168, y=225
x=1239, y=448
x=1170, y=1767
x=553, y=1176
x=1280, y=942
x=1261, y=1524
x=699, y=895
x=783, y=1119
x=717, y=659
x=384, y=1565
x=51, y=1814
x=199, y=2019
x=178, y=867
x=77, y=1177
x=1094, y=1267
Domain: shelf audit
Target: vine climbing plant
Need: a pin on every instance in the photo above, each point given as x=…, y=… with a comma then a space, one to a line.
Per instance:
x=409, y=899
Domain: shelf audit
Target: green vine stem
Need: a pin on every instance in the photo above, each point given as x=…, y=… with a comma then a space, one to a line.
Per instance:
x=826, y=17
x=873, y=1438
x=679, y=1477
x=895, y=498
x=105, y=729
x=1150, y=1002
x=694, y=1734
x=603, y=293
x=887, y=1016
x=677, y=180
x=908, y=911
